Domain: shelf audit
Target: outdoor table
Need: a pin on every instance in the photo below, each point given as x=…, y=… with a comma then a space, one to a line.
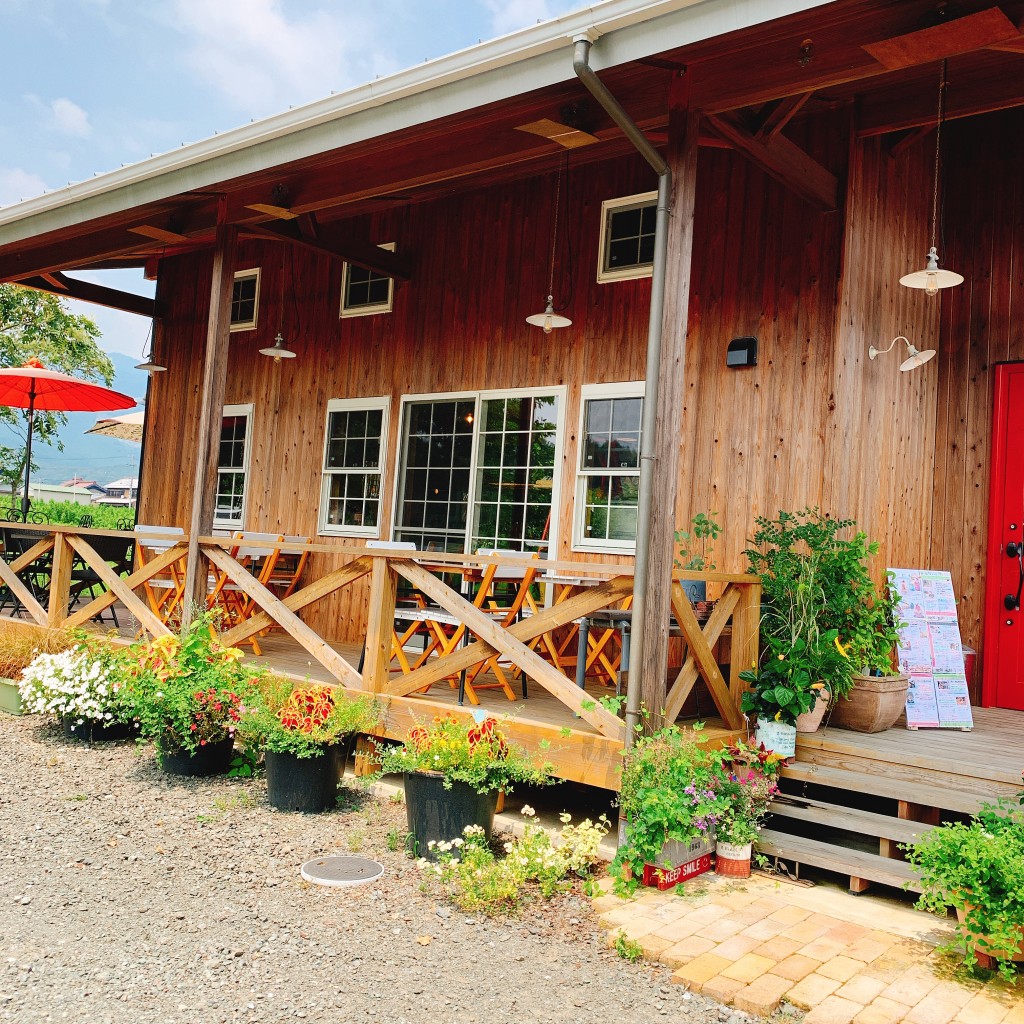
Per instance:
x=620, y=618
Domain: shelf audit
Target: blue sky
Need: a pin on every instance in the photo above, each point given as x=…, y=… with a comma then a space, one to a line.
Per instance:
x=91, y=84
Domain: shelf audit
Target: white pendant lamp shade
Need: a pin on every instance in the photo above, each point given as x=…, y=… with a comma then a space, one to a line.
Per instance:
x=931, y=279
x=277, y=351
x=549, y=319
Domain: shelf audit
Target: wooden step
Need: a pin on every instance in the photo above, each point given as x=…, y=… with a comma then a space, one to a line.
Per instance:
x=860, y=866
x=849, y=819
x=893, y=787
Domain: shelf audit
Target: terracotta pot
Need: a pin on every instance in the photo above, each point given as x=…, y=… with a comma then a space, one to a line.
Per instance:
x=874, y=703
x=733, y=860
x=982, y=947
x=809, y=721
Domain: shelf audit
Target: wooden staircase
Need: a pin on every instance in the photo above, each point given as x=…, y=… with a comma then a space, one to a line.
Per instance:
x=849, y=800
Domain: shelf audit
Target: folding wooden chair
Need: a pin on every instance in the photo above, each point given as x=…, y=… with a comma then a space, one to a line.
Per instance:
x=164, y=590
x=252, y=552
x=284, y=579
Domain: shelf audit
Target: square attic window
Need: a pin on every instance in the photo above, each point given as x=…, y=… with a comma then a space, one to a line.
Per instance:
x=245, y=299
x=627, y=237
x=364, y=292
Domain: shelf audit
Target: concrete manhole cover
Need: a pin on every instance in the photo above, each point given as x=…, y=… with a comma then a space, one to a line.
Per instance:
x=340, y=871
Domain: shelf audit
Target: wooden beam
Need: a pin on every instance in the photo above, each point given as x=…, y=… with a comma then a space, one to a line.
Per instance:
x=353, y=250
x=211, y=412
x=908, y=139
x=57, y=283
x=777, y=114
x=684, y=141
x=158, y=234
x=958, y=35
x=783, y=160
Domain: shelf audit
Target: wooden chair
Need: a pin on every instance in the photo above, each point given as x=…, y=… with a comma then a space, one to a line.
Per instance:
x=165, y=589
x=288, y=569
x=252, y=552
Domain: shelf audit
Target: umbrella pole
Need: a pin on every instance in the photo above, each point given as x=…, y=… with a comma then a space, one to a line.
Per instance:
x=28, y=449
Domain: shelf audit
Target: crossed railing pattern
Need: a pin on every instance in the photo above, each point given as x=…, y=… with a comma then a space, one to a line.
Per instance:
x=522, y=643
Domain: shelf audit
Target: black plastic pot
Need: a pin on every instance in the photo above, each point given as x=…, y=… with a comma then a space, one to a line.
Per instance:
x=436, y=814
x=213, y=759
x=306, y=784
x=92, y=731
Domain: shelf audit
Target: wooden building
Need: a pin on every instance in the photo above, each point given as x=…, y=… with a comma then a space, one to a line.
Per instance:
x=396, y=238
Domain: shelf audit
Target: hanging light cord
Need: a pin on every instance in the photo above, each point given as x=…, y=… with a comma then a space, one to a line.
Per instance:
x=938, y=149
x=554, y=232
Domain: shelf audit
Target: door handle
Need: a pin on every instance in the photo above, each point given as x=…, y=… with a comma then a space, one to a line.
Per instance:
x=1011, y=602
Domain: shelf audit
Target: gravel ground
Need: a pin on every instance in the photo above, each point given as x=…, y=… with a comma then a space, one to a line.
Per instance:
x=128, y=895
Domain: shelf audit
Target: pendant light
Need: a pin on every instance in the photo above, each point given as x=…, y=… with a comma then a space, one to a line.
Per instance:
x=931, y=279
x=148, y=365
x=549, y=319
x=279, y=350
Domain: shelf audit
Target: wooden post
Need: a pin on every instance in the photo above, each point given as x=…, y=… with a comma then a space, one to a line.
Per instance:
x=211, y=406
x=745, y=641
x=379, y=625
x=682, y=158
x=60, y=581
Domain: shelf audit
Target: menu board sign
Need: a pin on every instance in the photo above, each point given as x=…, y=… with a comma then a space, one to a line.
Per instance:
x=930, y=651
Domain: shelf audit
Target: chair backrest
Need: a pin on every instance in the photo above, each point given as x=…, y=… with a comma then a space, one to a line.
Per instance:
x=521, y=576
x=290, y=564
x=390, y=545
x=85, y=521
x=158, y=543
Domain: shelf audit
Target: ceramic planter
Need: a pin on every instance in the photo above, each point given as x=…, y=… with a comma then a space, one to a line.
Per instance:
x=436, y=814
x=10, y=698
x=809, y=721
x=874, y=703
x=733, y=859
x=777, y=737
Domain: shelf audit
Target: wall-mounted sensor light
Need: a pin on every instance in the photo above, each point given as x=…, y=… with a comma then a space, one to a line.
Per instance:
x=741, y=352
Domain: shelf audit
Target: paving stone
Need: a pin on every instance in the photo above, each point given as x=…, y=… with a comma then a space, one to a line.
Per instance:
x=842, y=968
x=722, y=989
x=911, y=986
x=861, y=989
x=882, y=1011
x=762, y=995
x=790, y=915
x=796, y=967
x=811, y=991
x=680, y=929
x=766, y=929
x=688, y=949
x=719, y=931
x=737, y=946
x=1016, y=1015
x=654, y=946
x=868, y=948
x=807, y=931
x=885, y=968
x=848, y=933
x=748, y=967
x=602, y=904
x=823, y=949
x=778, y=948
x=699, y=970
x=619, y=916
x=833, y=1011
x=983, y=1008
x=941, y=1005
x=736, y=900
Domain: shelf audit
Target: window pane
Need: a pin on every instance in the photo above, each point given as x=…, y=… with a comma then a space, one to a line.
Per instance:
x=353, y=497
x=243, y=299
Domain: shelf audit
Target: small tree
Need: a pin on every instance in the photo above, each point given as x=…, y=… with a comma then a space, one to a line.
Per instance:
x=38, y=325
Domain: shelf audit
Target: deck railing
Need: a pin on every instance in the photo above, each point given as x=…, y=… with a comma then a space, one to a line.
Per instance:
x=522, y=643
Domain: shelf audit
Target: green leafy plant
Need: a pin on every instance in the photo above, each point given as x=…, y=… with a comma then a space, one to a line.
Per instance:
x=185, y=691
x=473, y=877
x=749, y=786
x=304, y=720
x=463, y=751
x=243, y=766
x=671, y=790
x=977, y=868
x=696, y=545
x=816, y=587
x=789, y=681
x=627, y=948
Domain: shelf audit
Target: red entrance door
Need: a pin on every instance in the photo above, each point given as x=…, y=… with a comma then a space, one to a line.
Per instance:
x=1003, y=669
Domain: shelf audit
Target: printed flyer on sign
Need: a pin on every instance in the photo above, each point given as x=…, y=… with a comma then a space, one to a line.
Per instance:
x=930, y=650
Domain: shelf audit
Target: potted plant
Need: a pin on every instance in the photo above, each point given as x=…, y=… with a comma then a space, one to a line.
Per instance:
x=19, y=646
x=750, y=786
x=186, y=693
x=80, y=687
x=977, y=868
x=672, y=799
x=696, y=554
x=454, y=770
x=305, y=734
x=878, y=695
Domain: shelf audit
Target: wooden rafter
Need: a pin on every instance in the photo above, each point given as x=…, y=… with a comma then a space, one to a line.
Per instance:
x=57, y=283
x=777, y=114
x=783, y=160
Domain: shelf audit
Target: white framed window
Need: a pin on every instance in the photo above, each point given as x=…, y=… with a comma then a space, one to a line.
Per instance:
x=233, y=467
x=626, y=251
x=245, y=299
x=479, y=469
x=354, y=445
x=608, y=473
x=365, y=292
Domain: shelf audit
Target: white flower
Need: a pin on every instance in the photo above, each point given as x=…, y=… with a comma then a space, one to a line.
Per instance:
x=527, y=811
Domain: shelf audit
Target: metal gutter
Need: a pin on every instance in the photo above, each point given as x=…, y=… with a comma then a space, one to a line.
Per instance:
x=490, y=72
x=641, y=571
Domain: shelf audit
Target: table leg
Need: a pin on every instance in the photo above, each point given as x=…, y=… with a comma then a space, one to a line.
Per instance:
x=624, y=634
x=581, y=653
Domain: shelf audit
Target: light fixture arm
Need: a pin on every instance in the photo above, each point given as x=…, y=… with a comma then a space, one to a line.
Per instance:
x=915, y=356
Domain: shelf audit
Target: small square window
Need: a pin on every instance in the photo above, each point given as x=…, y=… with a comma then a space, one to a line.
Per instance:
x=627, y=237
x=364, y=292
x=245, y=300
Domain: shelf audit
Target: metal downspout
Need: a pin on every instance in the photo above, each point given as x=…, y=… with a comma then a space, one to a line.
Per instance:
x=599, y=91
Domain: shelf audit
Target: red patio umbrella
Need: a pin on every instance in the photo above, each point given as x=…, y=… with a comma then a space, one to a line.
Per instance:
x=34, y=387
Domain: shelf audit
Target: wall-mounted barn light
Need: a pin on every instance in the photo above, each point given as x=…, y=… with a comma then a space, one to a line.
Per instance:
x=914, y=357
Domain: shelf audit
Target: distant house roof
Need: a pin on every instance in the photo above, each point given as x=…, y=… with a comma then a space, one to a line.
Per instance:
x=123, y=484
x=77, y=481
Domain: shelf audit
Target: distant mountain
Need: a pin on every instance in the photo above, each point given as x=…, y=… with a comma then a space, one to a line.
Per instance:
x=102, y=459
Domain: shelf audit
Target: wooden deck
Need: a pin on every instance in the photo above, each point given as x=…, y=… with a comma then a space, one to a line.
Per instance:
x=542, y=723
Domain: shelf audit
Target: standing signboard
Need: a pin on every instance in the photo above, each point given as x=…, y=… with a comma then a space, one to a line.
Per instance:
x=930, y=651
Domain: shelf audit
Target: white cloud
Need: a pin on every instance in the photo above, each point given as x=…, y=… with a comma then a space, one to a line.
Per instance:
x=16, y=184
x=509, y=15
x=70, y=118
x=258, y=58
